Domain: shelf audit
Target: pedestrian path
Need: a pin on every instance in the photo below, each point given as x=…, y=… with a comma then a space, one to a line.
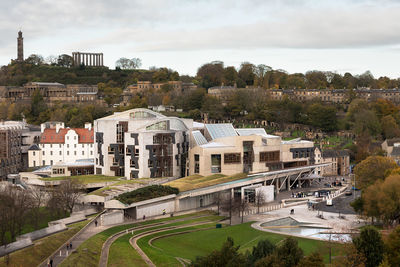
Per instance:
x=90, y=230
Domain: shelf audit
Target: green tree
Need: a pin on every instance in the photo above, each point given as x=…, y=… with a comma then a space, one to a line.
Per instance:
x=261, y=250
x=289, y=252
x=35, y=59
x=372, y=169
x=227, y=256
x=38, y=105
x=392, y=247
x=230, y=76
x=313, y=260
x=211, y=74
x=246, y=73
x=371, y=245
x=65, y=61
x=316, y=80
x=323, y=117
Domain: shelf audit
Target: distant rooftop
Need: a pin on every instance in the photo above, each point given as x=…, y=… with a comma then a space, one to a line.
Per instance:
x=220, y=130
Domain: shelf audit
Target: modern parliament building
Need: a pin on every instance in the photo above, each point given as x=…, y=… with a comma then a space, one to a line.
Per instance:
x=141, y=143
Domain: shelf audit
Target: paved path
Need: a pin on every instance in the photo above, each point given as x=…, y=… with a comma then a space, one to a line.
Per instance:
x=88, y=232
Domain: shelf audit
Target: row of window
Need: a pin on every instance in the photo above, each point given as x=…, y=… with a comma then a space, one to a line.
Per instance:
x=60, y=153
x=59, y=145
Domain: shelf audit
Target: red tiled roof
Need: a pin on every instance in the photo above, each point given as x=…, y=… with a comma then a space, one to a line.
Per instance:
x=85, y=136
x=50, y=136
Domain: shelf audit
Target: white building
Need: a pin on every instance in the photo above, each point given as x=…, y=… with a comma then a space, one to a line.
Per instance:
x=60, y=144
x=141, y=143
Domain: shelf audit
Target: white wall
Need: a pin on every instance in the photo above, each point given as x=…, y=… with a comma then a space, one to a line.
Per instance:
x=113, y=217
x=154, y=209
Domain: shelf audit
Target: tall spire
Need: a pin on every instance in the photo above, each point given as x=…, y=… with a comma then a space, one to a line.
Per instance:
x=20, y=39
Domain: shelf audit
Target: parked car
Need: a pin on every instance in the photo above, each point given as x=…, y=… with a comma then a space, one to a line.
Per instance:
x=348, y=193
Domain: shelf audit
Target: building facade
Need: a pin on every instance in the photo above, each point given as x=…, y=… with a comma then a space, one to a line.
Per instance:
x=220, y=148
x=52, y=92
x=59, y=144
x=339, y=159
x=141, y=143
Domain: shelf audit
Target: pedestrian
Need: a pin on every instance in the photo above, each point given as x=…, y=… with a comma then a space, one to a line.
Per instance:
x=70, y=245
x=51, y=262
x=163, y=212
x=95, y=223
x=48, y=263
x=144, y=217
x=67, y=247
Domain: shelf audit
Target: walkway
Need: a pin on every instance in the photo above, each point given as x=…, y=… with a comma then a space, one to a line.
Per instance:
x=63, y=253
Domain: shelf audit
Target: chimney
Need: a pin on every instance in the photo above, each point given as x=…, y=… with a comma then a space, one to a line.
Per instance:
x=88, y=126
x=59, y=126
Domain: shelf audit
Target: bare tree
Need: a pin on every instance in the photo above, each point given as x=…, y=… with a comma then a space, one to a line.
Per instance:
x=39, y=198
x=15, y=205
x=67, y=194
x=218, y=199
x=229, y=205
x=259, y=200
x=243, y=206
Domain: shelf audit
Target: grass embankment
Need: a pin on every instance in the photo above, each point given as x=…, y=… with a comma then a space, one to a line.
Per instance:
x=89, y=252
x=85, y=179
x=101, y=192
x=145, y=193
x=121, y=251
x=191, y=245
x=42, y=248
x=197, y=181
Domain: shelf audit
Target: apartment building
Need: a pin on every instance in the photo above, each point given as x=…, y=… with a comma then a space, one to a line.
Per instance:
x=339, y=159
x=59, y=144
x=140, y=143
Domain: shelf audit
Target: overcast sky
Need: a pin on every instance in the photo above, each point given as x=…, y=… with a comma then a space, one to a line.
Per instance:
x=294, y=35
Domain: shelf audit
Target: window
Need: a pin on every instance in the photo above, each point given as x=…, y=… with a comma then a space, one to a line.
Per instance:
x=269, y=156
x=150, y=163
x=34, y=163
x=111, y=150
x=67, y=153
x=43, y=152
x=232, y=158
x=91, y=153
x=133, y=165
x=128, y=151
x=75, y=153
x=33, y=153
x=51, y=162
x=74, y=145
x=67, y=145
x=216, y=163
x=51, y=153
x=137, y=152
x=60, y=152
x=51, y=146
x=196, y=163
x=44, y=162
x=83, y=153
x=67, y=137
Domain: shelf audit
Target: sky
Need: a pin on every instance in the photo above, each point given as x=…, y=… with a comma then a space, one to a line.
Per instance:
x=293, y=35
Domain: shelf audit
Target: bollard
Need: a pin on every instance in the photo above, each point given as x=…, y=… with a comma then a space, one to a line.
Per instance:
x=67, y=253
x=132, y=232
x=60, y=253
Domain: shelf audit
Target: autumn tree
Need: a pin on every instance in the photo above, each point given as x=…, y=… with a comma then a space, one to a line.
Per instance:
x=242, y=206
x=390, y=129
x=246, y=73
x=211, y=74
x=67, y=195
x=230, y=76
x=259, y=199
x=315, y=259
x=372, y=169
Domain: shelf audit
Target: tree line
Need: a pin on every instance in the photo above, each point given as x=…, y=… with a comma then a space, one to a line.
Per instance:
x=23, y=211
x=367, y=249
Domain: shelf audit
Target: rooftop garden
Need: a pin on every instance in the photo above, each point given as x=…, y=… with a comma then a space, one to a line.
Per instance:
x=85, y=179
x=146, y=193
x=197, y=181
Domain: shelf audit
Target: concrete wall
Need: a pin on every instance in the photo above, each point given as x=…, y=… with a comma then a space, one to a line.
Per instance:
x=198, y=201
x=267, y=191
x=113, y=217
x=154, y=209
x=43, y=232
x=17, y=245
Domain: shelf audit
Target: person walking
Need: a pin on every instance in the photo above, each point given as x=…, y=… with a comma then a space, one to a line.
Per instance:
x=51, y=262
x=95, y=223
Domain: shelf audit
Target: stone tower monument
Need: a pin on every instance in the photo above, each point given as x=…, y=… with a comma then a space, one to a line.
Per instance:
x=20, y=47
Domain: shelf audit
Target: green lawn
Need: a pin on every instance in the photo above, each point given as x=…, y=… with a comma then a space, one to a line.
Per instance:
x=89, y=252
x=198, y=181
x=42, y=248
x=201, y=243
x=85, y=179
x=121, y=251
